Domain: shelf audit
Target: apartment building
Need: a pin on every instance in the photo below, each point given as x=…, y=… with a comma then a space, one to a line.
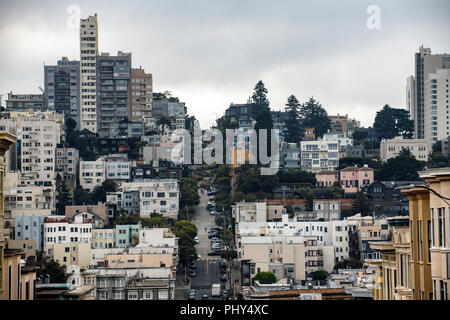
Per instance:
x=62, y=88
x=113, y=90
x=20, y=102
x=426, y=64
x=158, y=195
x=436, y=106
x=342, y=124
x=99, y=210
x=392, y=271
x=319, y=155
x=126, y=235
x=390, y=148
x=439, y=231
x=6, y=140
x=62, y=230
x=103, y=238
x=30, y=228
x=92, y=173
x=88, y=70
x=70, y=254
x=420, y=226
x=410, y=96
x=141, y=94
x=67, y=165
x=39, y=139
x=290, y=156
x=118, y=170
x=327, y=178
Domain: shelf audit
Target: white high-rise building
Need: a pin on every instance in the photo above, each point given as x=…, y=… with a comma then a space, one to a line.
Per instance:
x=436, y=106
x=88, y=56
x=410, y=95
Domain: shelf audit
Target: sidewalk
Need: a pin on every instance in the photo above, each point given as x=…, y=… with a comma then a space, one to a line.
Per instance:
x=181, y=288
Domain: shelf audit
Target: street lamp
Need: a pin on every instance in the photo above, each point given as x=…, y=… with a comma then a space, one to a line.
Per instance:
x=427, y=188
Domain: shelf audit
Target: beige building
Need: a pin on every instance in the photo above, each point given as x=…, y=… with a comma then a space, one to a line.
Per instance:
x=420, y=230
x=139, y=261
x=439, y=241
x=6, y=140
x=27, y=246
x=19, y=281
x=92, y=173
x=392, y=273
x=141, y=94
x=103, y=238
x=391, y=148
x=88, y=83
x=68, y=254
x=98, y=209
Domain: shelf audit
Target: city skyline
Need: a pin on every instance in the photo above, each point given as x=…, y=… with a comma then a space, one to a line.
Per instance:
x=236, y=34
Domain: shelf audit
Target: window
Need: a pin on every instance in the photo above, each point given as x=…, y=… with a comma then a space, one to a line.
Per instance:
x=132, y=295
x=148, y=295
x=163, y=294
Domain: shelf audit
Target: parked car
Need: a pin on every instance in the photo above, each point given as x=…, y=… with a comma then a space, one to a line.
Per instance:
x=196, y=239
x=223, y=278
x=205, y=297
x=225, y=295
x=191, y=273
x=192, y=294
x=214, y=213
x=192, y=265
x=214, y=253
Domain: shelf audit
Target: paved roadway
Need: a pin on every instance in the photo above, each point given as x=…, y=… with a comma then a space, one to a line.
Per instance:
x=208, y=270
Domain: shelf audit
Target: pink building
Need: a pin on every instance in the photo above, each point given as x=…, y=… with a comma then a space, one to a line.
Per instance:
x=352, y=178
x=327, y=178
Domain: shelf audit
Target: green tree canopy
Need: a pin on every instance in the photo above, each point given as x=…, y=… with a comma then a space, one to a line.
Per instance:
x=63, y=197
x=391, y=122
x=313, y=115
x=404, y=167
x=292, y=122
x=265, y=277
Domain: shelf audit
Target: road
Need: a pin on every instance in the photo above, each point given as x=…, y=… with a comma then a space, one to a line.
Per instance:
x=208, y=269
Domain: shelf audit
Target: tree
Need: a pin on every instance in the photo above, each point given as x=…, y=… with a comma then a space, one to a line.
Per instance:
x=437, y=146
x=63, y=197
x=404, y=167
x=99, y=192
x=164, y=122
x=228, y=255
x=265, y=277
x=259, y=98
x=309, y=201
x=81, y=196
x=313, y=115
x=358, y=161
x=391, y=122
x=189, y=192
x=362, y=204
x=297, y=176
x=292, y=122
x=320, y=275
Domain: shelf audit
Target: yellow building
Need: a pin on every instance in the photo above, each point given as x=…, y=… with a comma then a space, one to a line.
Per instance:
x=392, y=273
x=103, y=238
x=6, y=140
x=420, y=232
x=439, y=181
x=71, y=254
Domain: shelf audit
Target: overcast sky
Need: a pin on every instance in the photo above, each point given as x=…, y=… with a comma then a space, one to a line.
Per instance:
x=211, y=53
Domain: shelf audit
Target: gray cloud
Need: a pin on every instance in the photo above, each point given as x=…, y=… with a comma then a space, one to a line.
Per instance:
x=211, y=53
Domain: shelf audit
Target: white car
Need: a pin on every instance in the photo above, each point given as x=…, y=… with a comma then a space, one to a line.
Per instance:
x=196, y=239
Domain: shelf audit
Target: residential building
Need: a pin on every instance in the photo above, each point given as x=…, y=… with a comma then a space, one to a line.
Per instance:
x=319, y=155
x=290, y=156
x=103, y=238
x=126, y=235
x=62, y=230
x=28, y=247
x=92, y=173
x=420, y=225
x=67, y=165
x=30, y=228
x=39, y=139
x=6, y=140
x=353, y=178
x=141, y=94
x=70, y=254
x=391, y=148
x=62, y=88
x=410, y=96
x=88, y=70
x=425, y=64
x=392, y=271
x=438, y=231
x=20, y=102
x=436, y=121
x=118, y=170
x=99, y=210
x=327, y=178
x=113, y=90
x=342, y=124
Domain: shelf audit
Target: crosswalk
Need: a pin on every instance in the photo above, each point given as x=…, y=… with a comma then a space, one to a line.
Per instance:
x=209, y=258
